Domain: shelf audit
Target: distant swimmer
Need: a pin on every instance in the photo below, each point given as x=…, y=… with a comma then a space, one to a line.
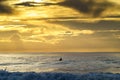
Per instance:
x=60, y=59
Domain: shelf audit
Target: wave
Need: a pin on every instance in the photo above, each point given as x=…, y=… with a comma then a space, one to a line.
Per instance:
x=5, y=75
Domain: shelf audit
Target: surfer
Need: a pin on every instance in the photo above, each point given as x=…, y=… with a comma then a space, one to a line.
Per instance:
x=60, y=59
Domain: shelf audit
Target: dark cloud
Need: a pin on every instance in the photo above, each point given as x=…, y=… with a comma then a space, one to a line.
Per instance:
x=2, y=0
x=28, y=3
x=4, y=8
x=100, y=25
x=87, y=6
x=91, y=7
x=114, y=16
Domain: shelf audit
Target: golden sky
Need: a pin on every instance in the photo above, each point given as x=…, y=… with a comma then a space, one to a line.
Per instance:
x=60, y=25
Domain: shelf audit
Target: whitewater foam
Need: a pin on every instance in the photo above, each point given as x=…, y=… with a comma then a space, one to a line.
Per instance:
x=5, y=75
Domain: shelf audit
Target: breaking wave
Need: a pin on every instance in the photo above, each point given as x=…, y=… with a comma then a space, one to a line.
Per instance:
x=5, y=75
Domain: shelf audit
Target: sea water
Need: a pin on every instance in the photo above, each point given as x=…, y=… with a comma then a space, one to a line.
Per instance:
x=73, y=62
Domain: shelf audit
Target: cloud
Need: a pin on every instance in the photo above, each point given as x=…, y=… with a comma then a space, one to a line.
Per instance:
x=7, y=34
x=96, y=8
x=90, y=43
x=2, y=0
x=16, y=38
x=27, y=3
x=4, y=8
x=100, y=25
x=91, y=7
x=45, y=32
x=117, y=36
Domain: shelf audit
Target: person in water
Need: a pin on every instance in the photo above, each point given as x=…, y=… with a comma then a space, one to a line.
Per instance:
x=60, y=59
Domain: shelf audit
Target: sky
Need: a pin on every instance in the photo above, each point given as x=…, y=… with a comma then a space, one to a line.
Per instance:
x=60, y=25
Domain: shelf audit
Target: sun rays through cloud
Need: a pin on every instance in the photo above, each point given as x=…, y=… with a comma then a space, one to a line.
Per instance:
x=55, y=25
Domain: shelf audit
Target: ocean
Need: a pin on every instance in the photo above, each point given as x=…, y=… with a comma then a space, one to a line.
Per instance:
x=73, y=62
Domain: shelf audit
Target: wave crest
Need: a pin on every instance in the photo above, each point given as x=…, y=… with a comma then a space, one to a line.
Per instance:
x=5, y=75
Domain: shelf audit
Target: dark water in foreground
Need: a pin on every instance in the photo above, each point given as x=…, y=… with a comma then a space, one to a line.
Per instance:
x=4, y=75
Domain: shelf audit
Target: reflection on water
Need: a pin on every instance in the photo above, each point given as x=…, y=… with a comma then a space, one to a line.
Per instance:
x=72, y=62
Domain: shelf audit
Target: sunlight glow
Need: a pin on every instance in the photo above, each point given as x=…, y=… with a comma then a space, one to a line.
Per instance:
x=115, y=1
x=31, y=0
x=38, y=0
x=1, y=27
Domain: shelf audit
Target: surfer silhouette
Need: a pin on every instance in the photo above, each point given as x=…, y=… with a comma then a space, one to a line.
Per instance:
x=60, y=59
